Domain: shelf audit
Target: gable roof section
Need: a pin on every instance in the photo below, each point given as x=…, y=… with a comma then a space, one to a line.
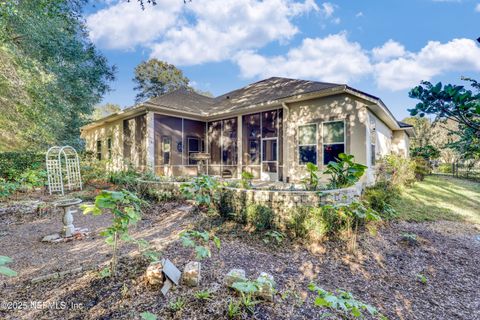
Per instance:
x=272, y=90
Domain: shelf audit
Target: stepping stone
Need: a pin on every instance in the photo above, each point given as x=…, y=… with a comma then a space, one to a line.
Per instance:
x=191, y=274
x=235, y=275
x=267, y=286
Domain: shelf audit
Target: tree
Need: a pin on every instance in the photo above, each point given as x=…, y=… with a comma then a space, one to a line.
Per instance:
x=51, y=75
x=448, y=102
x=104, y=110
x=154, y=78
x=453, y=103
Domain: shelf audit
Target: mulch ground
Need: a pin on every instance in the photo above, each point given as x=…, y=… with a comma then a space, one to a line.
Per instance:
x=383, y=272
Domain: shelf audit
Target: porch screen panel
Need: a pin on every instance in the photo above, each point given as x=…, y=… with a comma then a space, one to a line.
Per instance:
x=214, y=142
x=269, y=124
x=251, y=139
x=229, y=137
x=194, y=139
x=168, y=140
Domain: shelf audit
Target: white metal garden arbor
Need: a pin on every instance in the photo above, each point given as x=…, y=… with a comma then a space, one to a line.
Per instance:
x=56, y=168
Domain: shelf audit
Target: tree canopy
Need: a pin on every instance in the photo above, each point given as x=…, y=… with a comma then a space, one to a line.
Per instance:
x=452, y=103
x=51, y=75
x=154, y=78
x=101, y=111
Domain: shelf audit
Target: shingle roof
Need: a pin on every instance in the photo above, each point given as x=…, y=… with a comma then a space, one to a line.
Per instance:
x=184, y=100
x=259, y=92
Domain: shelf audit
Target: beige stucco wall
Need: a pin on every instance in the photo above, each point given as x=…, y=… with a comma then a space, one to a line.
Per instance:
x=339, y=107
x=112, y=130
x=384, y=135
x=401, y=143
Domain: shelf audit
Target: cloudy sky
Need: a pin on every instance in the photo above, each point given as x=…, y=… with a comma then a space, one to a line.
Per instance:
x=381, y=47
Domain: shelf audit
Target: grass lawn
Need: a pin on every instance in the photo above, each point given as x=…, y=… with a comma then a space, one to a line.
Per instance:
x=440, y=198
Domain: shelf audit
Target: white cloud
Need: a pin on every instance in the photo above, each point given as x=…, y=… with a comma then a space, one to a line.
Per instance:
x=390, y=49
x=125, y=25
x=200, y=31
x=477, y=8
x=359, y=14
x=432, y=60
x=336, y=59
x=332, y=58
x=224, y=27
x=328, y=9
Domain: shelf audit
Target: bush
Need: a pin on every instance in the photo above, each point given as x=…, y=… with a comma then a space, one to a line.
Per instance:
x=203, y=189
x=396, y=170
x=7, y=188
x=305, y=223
x=380, y=197
x=421, y=169
x=261, y=217
x=13, y=164
x=445, y=168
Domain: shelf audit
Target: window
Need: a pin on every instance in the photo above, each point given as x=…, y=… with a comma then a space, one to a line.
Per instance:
x=109, y=148
x=333, y=140
x=166, y=149
x=307, y=143
x=99, y=150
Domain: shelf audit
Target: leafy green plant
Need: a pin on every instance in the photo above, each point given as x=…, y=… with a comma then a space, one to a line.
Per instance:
x=203, y=295
x=127, y=179
x=148, y=316
x=246, y=181
x=344, y=302
x=274, y=236
x=177, y=304
x=248, y=290
x=32, y=178
x=200, y=241
x=409, y=238
x=7, y=188
x=422, y=278
x=202, y=189
x=395, y=170
x=380, y=197
x=344, y=172
x=234, y=309
x=311, y=181
x=259, y=216
x=105, y=272
x=125, y=207
x=4, y=270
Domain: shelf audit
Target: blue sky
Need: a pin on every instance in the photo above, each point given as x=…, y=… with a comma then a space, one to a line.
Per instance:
x=381, y=47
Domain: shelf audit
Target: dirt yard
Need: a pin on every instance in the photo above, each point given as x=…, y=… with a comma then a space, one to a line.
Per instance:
x=383, y=272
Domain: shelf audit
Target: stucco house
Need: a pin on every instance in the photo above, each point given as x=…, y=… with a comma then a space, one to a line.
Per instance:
x=271, y=128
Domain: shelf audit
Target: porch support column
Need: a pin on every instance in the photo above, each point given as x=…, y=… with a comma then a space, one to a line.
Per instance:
x=150, y=141
x=285, y=124
x=239, y=146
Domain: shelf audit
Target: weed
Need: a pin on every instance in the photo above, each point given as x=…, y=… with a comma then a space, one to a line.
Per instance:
x=274, y=236
x=234, y=309
x=203, y=295
x=5, y=270
x=422, y=278
x=200, y=241
x=148, y=316
x=177, y=305
x=344, y=302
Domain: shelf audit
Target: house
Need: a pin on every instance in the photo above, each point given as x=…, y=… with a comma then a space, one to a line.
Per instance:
x=271, y=128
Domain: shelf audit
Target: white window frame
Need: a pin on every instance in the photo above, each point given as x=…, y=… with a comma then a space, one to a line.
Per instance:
x=344, y=138
x=307, y=145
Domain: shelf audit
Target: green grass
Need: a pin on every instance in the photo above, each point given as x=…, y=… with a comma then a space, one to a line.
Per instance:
x=440, y=198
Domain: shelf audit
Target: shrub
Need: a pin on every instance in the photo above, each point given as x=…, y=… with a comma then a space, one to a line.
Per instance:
x=7, y=188
x=421, y=168
x=305, y=222
x=345, y=172
x=127, y=179
x=202, y=189
x=32, y=178
x=445, y=168
x=246, y=181
x=261, y=217
x=13, y=164
x=380, y=197
x=427, y=152
x=396, y=170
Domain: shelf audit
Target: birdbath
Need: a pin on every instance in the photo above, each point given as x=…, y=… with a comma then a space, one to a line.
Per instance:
x=201, y=158
x=67, y=206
